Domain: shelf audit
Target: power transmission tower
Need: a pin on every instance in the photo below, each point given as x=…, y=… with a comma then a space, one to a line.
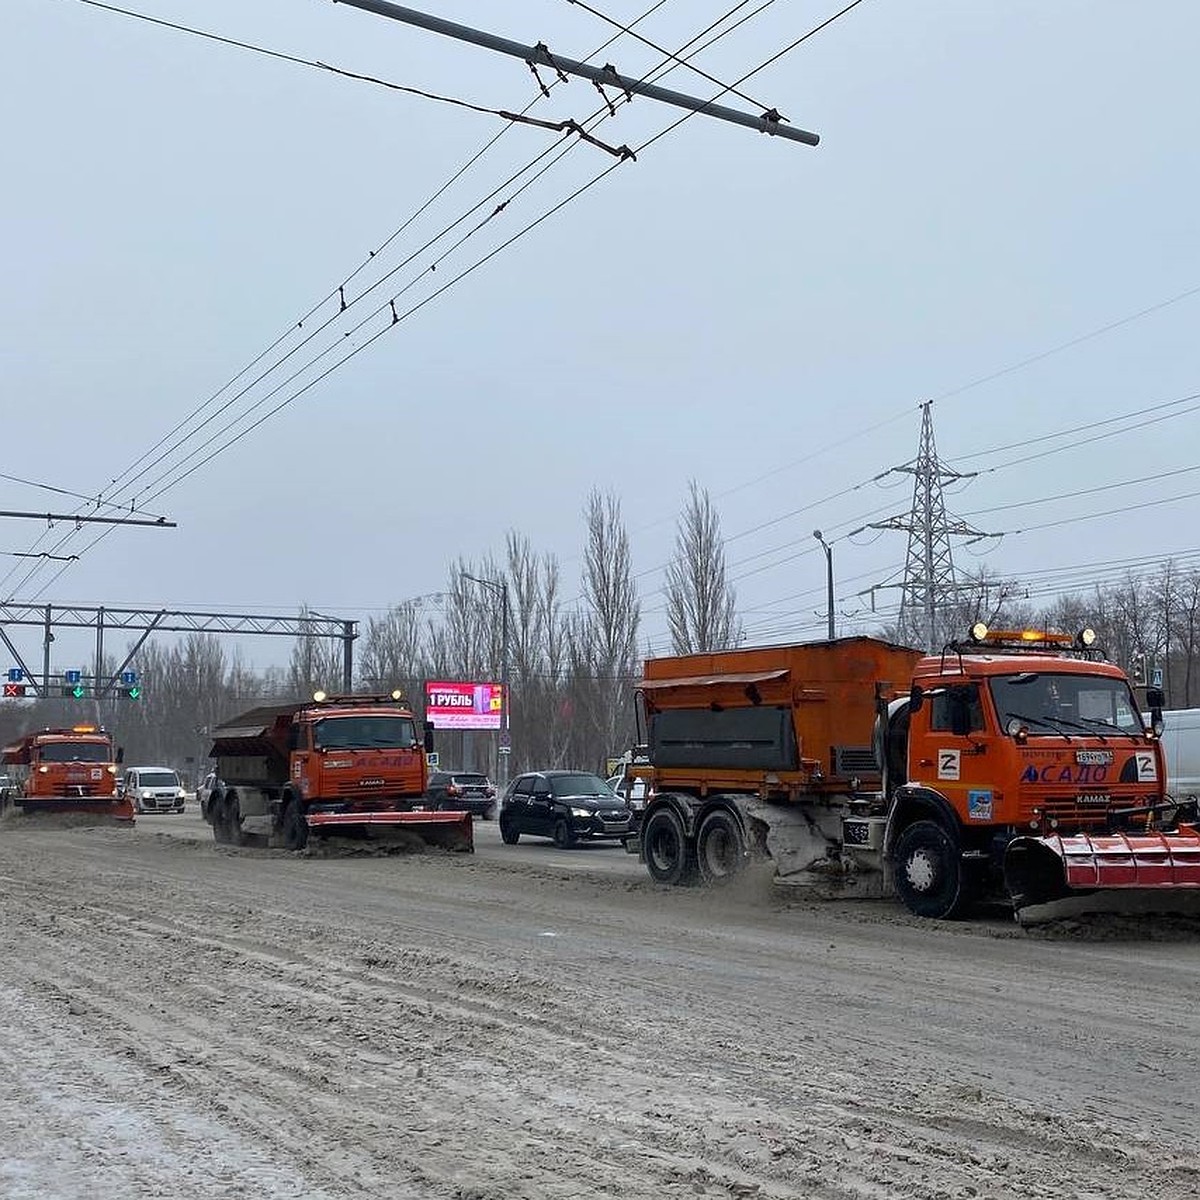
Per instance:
x=929, y=583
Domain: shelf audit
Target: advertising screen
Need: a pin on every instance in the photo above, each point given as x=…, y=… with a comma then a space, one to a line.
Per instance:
x=464, y=705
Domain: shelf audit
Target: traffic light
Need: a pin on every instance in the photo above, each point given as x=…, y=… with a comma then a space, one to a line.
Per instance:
x=133, y=691
x=13, y=690
x=74, y=691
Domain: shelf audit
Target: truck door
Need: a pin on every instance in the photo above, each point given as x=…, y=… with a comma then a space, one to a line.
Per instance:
x=956, y=750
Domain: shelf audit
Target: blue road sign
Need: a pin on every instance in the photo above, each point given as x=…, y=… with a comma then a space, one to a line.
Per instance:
x=1157, y=677
x=72, y=676
x=128, y=677
x=15, y=674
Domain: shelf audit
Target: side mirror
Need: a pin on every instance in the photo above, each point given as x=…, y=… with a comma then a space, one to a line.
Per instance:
x=428, y=743
x=120, y=754
x=1155, y=697
x=916, y=698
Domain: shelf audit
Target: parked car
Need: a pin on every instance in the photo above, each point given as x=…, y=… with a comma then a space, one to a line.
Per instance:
x=204, y=792
x=632, y=790
x=464, y=791
x=155, y=790
x=568, y=806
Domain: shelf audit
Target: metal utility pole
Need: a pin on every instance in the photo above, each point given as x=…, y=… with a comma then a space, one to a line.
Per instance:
x=929, y=567
x=769, y=122
x=75, y=519
x=828, y=580
x=500, y=588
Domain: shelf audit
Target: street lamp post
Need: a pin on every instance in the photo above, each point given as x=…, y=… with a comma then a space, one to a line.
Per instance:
x=500, y=588
x=828, y=580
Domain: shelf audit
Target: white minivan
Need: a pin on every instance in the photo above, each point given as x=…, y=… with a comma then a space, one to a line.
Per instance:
x=155, y=789
x=1181, y=746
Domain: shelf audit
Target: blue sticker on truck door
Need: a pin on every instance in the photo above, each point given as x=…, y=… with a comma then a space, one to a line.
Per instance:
x=979, y=805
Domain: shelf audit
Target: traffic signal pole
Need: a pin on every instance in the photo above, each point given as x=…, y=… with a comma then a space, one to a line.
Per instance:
x=768, y=122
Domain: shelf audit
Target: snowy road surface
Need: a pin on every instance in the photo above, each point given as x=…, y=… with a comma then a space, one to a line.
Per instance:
x=183, y=1019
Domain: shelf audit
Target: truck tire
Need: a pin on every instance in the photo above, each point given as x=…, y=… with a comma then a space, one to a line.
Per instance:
x=231, y=820
x=929, y=872
x=670, y=856
x=216, y=818
x=293, y=827
x=720, y=847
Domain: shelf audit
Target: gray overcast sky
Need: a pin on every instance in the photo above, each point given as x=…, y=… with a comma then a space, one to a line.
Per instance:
x=994, y=179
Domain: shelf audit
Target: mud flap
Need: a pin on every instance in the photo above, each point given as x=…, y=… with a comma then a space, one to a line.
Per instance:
x=1112, y=872
x=446, y=830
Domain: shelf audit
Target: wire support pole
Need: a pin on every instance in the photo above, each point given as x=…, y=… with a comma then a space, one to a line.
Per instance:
x=769, y=122
x=76, y=519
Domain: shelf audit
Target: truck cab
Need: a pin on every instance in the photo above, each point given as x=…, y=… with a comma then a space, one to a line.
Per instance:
x=1010, y=735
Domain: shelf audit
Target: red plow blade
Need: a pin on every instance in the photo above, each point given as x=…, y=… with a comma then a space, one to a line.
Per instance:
x=1042, y=870
x=120, y=810
x=449, y=830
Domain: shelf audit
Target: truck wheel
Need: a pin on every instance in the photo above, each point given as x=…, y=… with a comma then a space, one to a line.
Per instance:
x=216, y=818
x=564, y=836
x=929, y=874
x=670, y=857
x=231, y=820
x=294, y=827
x=720, y=847
x=508, y=835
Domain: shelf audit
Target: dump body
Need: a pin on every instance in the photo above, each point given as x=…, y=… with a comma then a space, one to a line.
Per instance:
x=354, y=763
x=67, y=770
x=1021, y=765
x=783, y=722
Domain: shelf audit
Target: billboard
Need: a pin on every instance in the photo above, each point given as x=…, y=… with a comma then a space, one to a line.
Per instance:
x=464, y=705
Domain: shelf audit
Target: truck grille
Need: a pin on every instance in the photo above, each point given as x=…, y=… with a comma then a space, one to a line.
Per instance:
x=1082, y=812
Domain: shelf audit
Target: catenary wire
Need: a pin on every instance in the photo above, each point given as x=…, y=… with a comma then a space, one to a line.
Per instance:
x=503, y=245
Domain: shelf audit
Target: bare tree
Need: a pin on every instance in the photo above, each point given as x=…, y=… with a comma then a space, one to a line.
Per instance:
x=393, y=650
x=316, y=663
x=701, y=603
x=602, y=641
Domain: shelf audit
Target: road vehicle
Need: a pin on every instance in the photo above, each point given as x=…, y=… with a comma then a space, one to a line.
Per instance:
x=67, y=771
x=155, y=790
x=352, y=765
x=1181, y=746
x=633, y=789
x=1014, y=762
x=8, y=785
x=463, y=790
x=209, y=784
x=568, y=806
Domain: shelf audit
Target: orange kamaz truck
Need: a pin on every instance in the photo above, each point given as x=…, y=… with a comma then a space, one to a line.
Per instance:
x=1013, y=764
x=349, y=765
x=68, y=771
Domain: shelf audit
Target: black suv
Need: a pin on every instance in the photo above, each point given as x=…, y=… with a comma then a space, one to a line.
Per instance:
x=462, y=791
x=568, y=806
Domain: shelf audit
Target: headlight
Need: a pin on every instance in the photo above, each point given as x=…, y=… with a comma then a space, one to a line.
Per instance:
x=581, y=812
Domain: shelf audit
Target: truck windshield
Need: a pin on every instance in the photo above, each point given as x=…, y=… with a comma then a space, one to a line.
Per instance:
x=1046, y=703
x=62, y=752
x=364, y=733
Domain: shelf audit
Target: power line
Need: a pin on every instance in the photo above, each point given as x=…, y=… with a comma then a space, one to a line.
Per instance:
x=661, y=50
x=397, y=318
x=338, y=292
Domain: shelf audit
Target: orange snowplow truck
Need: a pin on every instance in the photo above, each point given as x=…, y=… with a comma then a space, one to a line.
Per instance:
x=1014, y=763
x=70, y=771
x=348, y=765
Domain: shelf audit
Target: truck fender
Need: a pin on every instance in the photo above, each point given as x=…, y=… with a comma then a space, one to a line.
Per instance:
x=685, y=807
x=911, y=804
